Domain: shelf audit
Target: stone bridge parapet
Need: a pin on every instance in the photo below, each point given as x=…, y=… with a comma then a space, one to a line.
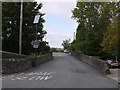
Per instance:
x=15, y=63
x=95, y=62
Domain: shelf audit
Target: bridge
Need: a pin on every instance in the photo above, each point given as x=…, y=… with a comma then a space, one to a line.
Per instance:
x=64, y=71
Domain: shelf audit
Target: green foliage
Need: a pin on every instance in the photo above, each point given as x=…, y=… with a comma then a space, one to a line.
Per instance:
x=56, y=50
x=110, y=42
x=11, y=24
x=43, y=48
x=66, y=44
x=32, y=54
x=93, y=19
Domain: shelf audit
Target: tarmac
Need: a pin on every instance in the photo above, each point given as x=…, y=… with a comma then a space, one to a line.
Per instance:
x=115, y=73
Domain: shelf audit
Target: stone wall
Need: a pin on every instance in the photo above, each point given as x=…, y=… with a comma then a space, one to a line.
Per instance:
x=12, y=55
x=95, y=62
x=22, y=63
x=16, y=65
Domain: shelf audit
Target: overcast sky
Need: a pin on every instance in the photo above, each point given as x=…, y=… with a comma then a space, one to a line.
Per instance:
x=59, y=25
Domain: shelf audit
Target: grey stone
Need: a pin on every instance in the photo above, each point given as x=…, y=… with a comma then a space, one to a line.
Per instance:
x=95, y=62
x=14, y=63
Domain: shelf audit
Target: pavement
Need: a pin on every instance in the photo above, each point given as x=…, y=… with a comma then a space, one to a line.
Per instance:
x=115, y=75
x=64, y=71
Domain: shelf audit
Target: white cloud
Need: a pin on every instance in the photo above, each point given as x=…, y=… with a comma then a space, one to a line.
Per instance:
x=63, y=10
x=55, y=39
x=56, y=0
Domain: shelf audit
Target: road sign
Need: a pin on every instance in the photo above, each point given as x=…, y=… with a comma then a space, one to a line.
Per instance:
x=35, y=46
x=36, y=19
x=35, y=42
x=32, y=42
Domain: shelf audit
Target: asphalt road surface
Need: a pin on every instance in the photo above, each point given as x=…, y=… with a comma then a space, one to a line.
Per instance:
x=63, y=71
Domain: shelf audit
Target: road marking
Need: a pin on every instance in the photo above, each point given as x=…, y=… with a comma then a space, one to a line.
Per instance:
x=48, y=77
x=38, y=78
x=30, y=76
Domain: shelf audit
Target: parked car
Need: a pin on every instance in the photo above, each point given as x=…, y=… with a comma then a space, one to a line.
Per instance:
x=66, y=51
x=113, y=64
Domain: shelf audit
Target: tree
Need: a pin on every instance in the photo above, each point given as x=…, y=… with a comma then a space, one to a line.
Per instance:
x=87, y=15
x=93, y=19
x=66, y=44
x=111, y=39
x=10, y=25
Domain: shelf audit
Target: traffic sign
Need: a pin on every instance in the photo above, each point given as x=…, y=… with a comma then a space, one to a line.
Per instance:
x=35, y=46
x=36, y=19
x=36, y=42
x=32, y=42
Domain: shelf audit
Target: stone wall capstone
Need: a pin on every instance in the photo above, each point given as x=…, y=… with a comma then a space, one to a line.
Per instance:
x=95, y=62
x=12, y=55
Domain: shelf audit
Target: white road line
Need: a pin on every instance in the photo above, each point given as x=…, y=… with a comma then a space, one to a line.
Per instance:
x=32, y=78
x=38, y=77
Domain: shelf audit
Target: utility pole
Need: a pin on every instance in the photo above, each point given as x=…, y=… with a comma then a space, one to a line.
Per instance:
x=20, y=34
x=74, y=37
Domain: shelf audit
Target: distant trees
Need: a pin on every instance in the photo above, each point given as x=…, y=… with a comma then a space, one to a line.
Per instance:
x=94, y=19
x=57, y=49
x=66, y=44
x=54, y=50
x=11, y=24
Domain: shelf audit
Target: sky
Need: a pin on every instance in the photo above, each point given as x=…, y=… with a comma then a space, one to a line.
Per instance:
x=59, y=24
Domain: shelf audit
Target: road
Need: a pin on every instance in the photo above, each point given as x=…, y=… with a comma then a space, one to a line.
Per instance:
x=64, y=71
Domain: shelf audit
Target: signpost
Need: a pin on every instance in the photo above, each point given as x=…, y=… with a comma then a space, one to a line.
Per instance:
x=36, y=19
x=36, y=43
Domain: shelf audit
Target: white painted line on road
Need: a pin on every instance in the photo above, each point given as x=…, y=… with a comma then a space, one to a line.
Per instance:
x=38, y=78
x=41, y=78
x=11, y=76
x=46, y=78
x=45, y=73
x=32, y=78
x=12, y=79
x=18, y=78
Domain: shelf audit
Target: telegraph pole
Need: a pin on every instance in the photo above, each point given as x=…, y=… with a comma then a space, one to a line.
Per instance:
x=20, y=34
x=74, y=37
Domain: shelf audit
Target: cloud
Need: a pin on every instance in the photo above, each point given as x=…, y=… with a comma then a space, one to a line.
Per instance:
x=62, y=9
x=56, y=0
x=61, y=26
x=55, y=39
